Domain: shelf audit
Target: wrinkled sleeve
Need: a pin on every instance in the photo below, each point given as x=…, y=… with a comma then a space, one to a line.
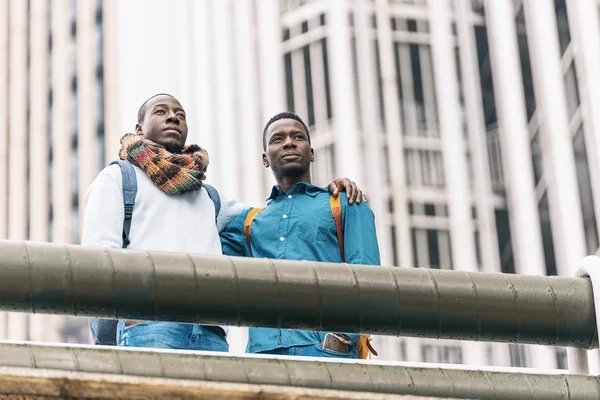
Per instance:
x=104, y=210
x=233, y=238
x=360, y=236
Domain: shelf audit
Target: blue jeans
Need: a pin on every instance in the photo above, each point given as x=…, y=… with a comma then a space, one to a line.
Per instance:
x=312, y=350
x=171, y=335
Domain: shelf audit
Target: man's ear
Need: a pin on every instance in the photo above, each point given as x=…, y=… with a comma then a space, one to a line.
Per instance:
x=138, y=129
x=312, y=155
x=265, y=161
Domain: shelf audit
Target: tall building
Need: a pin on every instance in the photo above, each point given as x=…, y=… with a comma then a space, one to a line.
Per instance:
x=470, y=123
x=56, y=105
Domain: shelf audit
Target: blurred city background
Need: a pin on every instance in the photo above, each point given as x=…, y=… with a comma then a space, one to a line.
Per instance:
x=472, y=125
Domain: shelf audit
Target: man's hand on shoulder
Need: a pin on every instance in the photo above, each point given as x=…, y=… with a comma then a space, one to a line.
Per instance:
x=353, y=192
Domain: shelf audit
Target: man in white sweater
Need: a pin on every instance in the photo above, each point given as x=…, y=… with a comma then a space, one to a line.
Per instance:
x=173, y=212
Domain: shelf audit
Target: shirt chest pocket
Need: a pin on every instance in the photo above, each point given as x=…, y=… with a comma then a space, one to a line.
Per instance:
x=317, y=227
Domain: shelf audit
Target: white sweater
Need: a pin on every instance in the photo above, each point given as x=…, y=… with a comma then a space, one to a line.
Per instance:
x=160, y=222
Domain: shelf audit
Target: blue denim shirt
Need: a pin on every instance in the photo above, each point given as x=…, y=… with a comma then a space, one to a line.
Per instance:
x=298, y=225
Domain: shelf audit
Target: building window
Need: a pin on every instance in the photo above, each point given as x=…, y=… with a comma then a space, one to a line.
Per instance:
x=431, y=241
x=424, y=168
x=414, y=71
x=326, y=73
x=379, y=84
x=525, y=64
x=477, y=240
x=307, y=81
x=585, y=192
x=562, y=360
x=562, y=20
x=290, y=5
x=441, y=354
x=395, y=249
x=288, y=80
x=495, y=159
x=410, y=2
x=547, y=239
x=485, y=75
x=518, y=355
x=507, y=263
x=309, y=86
x=536, y=158
x=402, y=350
x=572, y=91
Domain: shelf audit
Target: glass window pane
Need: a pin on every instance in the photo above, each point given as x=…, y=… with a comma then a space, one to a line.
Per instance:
x=585, y=192
x=564, y=36
x=572, y=92
x=547, y=239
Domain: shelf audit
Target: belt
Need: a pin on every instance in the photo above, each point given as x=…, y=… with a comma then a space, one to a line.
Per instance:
x=332, y=342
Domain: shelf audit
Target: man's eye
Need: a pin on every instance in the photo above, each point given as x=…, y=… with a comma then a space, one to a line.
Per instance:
x=159, y=112
x=181, y=115
x=299, y=137
x=277, y=139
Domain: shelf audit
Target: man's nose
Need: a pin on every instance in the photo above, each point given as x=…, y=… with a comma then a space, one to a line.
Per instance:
x=289, y=142
x=172, y=117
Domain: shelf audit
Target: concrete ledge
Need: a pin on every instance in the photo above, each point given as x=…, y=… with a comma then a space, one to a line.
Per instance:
x=38, y=384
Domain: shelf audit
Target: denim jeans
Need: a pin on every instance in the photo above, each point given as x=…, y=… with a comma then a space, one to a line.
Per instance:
x=170, y=335
x=312, y=350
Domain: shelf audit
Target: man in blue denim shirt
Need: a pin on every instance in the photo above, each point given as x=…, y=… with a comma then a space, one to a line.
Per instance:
x=297, y=224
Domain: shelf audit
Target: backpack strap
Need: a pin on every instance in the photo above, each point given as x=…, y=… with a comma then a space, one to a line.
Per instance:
x=364, y=347
x=336, y=211
x=248, y=225
x=364, y=341
x=129, y=188
x=104, y=331
x=214, y=196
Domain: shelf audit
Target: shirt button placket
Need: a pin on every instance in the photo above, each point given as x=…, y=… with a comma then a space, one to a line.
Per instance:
x=284, y=225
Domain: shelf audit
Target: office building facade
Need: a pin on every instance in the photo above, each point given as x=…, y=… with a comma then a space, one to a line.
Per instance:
x=470, y=123
x=56, y=105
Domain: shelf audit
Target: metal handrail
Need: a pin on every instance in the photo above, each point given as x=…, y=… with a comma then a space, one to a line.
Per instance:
x=118, y=283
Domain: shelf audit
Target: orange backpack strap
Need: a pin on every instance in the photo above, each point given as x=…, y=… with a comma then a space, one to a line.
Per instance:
x=248, y=225
x=364, y=342
x=364, y=347
x=336, y=211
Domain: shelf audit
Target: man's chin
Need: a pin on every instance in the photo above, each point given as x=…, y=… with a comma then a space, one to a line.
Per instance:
x=293, y=170
x=172, y=147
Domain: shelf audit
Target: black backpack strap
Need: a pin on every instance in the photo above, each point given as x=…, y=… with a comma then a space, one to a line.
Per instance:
x=129, y=188
x=214, y=196
x=104, y=331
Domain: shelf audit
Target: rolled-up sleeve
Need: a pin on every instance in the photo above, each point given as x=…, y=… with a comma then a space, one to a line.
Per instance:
x=360, y=236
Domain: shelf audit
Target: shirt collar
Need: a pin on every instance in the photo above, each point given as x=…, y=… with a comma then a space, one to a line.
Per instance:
x=300, y=187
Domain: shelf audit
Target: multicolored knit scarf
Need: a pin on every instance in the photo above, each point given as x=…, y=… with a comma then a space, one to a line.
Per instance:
x=172, y=173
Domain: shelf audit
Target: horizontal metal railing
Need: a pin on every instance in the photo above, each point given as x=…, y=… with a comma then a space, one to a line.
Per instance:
x=117, y=283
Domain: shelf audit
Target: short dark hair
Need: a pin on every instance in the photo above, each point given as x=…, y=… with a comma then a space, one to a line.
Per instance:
x=142, y=110
x=283, y=115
